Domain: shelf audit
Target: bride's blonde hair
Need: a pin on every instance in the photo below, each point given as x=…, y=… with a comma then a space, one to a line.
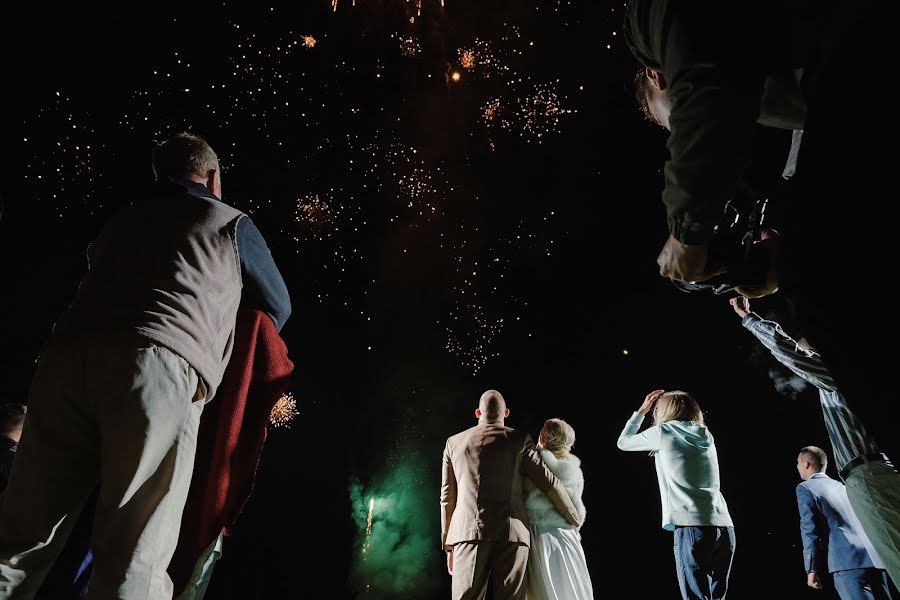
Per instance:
x=558, y=437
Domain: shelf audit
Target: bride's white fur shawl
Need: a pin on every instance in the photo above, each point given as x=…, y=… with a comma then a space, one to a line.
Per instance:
x=541, y=512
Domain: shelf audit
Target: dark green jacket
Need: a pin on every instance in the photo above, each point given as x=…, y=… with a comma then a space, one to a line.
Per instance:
x=7, y=455
x=722, y=61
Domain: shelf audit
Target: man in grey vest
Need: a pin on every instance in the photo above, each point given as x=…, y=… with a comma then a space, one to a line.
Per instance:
x=120, y=386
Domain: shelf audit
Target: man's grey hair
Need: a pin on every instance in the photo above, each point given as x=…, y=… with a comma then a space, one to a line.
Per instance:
x=184, y=155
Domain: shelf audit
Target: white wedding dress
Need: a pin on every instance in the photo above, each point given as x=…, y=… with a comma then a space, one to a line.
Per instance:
x=557, y=568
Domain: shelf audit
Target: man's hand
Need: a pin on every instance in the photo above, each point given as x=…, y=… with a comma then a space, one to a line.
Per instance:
x=741, y=306
x=770, y=241
x=686, y=263
x=813, y=581
x=450, y=561
x=649, y=399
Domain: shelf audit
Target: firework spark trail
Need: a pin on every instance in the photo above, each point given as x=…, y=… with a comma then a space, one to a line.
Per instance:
x=473, y=324
x=472, y=345
x=394, y=559
x=491, y=115
x=481, y=313
x=368, y=529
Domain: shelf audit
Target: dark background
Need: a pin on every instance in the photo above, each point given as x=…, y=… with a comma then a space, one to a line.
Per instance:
x=432, y=252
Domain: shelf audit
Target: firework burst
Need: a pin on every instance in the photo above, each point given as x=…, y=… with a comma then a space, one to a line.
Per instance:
x=315, y=214
x=284, y=411
x=410, y=47
x=482, y=58
x=466, y=58
x=541, y=111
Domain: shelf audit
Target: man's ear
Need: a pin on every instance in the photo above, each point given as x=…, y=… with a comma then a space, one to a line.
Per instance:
x=657, y=79
x=506, y=414
x=211, y=180
x=477, y=413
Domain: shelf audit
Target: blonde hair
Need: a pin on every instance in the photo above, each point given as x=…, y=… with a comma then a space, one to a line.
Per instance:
x=558, y=437
x=676, y=406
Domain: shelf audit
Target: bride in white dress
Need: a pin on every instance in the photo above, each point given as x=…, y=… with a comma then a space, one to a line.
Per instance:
x=557, y=568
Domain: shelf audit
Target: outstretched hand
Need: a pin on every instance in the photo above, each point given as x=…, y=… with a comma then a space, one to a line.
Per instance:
x=741, y=306
x=649, y=399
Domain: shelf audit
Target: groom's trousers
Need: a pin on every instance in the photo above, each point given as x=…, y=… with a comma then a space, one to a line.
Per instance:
x=500, y=562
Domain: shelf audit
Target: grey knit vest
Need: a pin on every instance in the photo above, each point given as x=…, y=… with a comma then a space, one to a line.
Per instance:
x=168, y=270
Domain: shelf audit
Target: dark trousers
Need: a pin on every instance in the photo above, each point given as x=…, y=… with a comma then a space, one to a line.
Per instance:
x=862, y=584
x=703, y=561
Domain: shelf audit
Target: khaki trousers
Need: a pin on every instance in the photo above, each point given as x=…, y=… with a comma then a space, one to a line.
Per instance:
x=873, y=489
x=116, y=412
x=503, y=563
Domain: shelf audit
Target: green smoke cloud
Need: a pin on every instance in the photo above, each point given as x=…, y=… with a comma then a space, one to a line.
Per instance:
x=399, y=558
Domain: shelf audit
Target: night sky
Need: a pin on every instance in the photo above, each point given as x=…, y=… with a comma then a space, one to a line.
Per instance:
x=459, y=197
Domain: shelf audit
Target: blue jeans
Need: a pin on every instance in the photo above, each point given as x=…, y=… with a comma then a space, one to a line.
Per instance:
x=703, y=561
x=862, y=584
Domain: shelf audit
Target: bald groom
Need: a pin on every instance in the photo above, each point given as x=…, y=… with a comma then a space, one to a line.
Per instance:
x=484, y=526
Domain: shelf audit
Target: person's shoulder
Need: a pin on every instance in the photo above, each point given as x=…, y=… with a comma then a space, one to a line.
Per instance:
x=829, y=483
x=517, y=435
x=177, y=199
x=570, y=464
x=457, y=437
x=810, y=485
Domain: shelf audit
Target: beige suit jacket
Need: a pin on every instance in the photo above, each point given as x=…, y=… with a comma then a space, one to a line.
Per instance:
x=482, y=495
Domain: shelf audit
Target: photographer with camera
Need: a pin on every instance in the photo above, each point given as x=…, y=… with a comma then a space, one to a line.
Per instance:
x=710, y=72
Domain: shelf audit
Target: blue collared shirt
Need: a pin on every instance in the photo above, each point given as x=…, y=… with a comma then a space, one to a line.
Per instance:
x=264, y=288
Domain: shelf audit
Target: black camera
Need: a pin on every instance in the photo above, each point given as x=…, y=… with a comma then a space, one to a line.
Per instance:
x=734, y=245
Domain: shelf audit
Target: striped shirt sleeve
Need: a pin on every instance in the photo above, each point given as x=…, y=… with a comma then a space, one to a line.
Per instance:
x=847, y=433
x=807, y=365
